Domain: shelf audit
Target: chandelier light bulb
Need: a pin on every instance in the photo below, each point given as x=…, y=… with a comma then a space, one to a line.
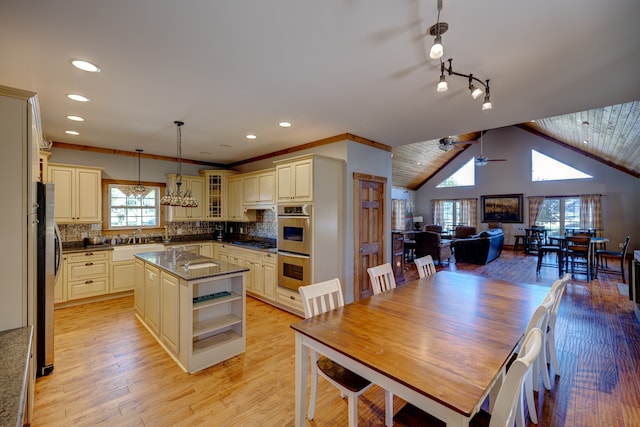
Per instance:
x=443, y=86
x=437, y=50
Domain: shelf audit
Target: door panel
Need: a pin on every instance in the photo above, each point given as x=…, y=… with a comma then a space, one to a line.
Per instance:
x=370, y=196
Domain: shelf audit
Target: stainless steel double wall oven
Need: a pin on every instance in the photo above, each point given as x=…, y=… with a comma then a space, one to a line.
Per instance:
x=294, y=245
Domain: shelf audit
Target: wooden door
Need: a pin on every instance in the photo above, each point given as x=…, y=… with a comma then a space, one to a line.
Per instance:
x=369, y=231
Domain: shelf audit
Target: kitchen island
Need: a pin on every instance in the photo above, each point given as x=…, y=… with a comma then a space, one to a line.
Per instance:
x=194, y=306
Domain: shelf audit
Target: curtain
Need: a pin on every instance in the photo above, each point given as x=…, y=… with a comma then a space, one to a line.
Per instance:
x=535, y=202
x=469, y=212
x=590, y=211
x=437, y=212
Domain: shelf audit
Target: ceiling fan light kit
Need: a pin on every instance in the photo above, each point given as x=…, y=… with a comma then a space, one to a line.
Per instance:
x=437, y=51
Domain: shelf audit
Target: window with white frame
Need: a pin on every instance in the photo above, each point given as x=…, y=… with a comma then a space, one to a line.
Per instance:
x=559, y=213
x=128, y=210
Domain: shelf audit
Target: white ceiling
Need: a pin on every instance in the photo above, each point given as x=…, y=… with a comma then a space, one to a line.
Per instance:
x=227, y=68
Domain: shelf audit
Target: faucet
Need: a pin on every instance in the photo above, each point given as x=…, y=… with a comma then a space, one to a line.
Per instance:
x=138, y=233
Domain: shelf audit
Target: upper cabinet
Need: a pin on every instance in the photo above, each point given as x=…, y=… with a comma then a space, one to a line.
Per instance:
x=295, y=180
x=216, y=195
x=236, y=210
x=259, y=189
x=78, y=193
x=195, y=184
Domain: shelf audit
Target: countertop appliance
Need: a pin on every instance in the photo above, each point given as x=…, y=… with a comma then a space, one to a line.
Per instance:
x=49, y=258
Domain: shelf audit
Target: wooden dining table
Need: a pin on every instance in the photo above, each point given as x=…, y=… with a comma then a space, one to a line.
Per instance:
x=441, y=343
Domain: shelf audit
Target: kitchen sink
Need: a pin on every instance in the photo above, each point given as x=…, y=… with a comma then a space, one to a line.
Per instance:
x=201, y=265
x=125, y=253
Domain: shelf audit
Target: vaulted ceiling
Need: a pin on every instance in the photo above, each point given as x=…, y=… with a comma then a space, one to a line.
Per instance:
x=329, y=67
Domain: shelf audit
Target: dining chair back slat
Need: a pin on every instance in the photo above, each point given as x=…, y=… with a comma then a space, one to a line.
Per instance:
x=425, y=266
x=381, y=277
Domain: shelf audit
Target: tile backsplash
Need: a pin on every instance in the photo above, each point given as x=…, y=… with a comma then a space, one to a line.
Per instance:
x=265, y=226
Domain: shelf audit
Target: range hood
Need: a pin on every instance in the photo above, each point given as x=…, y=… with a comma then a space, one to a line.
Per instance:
x=260, y=207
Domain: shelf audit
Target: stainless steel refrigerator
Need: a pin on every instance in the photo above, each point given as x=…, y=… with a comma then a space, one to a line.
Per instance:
x=49, y=256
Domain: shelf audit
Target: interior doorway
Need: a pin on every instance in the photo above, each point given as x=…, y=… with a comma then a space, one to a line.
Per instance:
x=369, y=195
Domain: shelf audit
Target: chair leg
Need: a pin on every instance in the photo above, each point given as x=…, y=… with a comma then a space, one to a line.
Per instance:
x=314, y=385
x=552, y=352
x=531, y=403
x=622, y=269
x=353, y=409
x=388, y=408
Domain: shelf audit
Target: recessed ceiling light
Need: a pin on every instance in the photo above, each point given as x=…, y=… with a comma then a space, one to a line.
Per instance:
x=85, y=66
x=251, y=136
x=72, y=132
x=76, y=97
x=586, y=141
x=75, y=118
x=284, y=124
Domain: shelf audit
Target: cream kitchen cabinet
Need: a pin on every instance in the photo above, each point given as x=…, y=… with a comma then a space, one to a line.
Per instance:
x=195, y=184
x=262, y=277
x=170, y=312
x=216, y=195
x=78, y=193
x=259, y=188
x=295, y=180
x=138, y=290
x=152, y=298
x=237, y=213
x=60, y=289
x=122, y=276
x=87, y=274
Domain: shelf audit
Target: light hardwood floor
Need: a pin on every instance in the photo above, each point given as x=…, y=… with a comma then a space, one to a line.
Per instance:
x=109, y=371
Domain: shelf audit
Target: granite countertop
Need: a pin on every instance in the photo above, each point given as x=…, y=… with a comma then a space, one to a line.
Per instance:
x=201, y=267
x=15, y=351
x=265, y=245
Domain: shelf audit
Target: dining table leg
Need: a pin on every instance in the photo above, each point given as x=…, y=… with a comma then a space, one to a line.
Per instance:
x=301, y=371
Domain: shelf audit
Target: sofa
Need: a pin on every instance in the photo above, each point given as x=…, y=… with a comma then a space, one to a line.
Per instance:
x=480, y=248
x=430, y=243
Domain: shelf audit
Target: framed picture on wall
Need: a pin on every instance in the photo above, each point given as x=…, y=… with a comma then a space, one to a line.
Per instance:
x=502, y=208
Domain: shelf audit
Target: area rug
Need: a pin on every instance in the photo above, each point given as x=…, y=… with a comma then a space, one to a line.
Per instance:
x=623, y=289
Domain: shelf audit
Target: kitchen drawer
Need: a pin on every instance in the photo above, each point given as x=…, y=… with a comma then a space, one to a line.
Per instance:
x=87, y=288
x=87, y=270
x=270, y=258
x=88, y=256
x=290, y=299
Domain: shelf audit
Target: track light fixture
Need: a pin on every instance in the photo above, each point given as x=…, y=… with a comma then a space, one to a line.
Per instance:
x=475, y=91
x=437, y=51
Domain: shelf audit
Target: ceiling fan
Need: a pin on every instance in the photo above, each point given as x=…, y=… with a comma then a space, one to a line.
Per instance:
x=482, y=160
x=447, y=143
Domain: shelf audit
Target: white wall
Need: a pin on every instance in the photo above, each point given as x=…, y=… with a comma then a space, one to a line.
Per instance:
x=620, y=206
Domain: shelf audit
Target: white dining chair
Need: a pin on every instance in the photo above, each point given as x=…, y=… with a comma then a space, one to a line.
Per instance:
x=557, y=289
x=381, y=278
x=509, y=400
x=425, y=265
x=539, y=319
x=319, y=298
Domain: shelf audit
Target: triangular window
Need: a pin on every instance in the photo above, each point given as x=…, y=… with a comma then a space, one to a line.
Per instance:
x=545, y=168
x=465, y=176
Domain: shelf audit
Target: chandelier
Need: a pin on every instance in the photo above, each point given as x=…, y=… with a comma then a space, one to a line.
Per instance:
x=138, y=189
x=174, y=197
x=437, y=51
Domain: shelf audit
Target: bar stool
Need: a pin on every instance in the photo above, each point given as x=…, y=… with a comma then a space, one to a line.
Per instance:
x=519, y=240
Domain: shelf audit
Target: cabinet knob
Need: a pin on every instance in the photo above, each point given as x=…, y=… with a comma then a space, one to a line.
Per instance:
x=88, y=281
x=88, y=253
x=89, y=263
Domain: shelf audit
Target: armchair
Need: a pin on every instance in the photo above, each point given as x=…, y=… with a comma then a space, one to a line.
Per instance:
x=436, y=228
x=464, y=231
x=430, y=243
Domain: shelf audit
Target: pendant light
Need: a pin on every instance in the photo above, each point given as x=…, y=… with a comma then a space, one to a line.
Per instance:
x=139, y=190
x=175, y=197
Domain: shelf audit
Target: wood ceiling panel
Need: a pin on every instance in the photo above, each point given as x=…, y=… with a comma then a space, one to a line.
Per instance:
x=613, y=136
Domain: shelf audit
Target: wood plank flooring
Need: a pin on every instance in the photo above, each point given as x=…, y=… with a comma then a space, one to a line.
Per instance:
x=109, y=371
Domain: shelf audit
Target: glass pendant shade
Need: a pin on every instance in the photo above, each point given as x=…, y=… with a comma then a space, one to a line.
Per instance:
x=443, y=86
x=475, y=92
x=486, y=105
x=437, y=50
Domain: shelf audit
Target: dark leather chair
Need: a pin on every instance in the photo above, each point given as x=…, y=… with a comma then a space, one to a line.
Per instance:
x=436, y=228
x=463, y=231
x=430, y=243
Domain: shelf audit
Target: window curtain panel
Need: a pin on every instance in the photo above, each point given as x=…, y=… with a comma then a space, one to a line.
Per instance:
x=535, y=203
x=590, y=211
x=469, y=212
x=437, y=212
